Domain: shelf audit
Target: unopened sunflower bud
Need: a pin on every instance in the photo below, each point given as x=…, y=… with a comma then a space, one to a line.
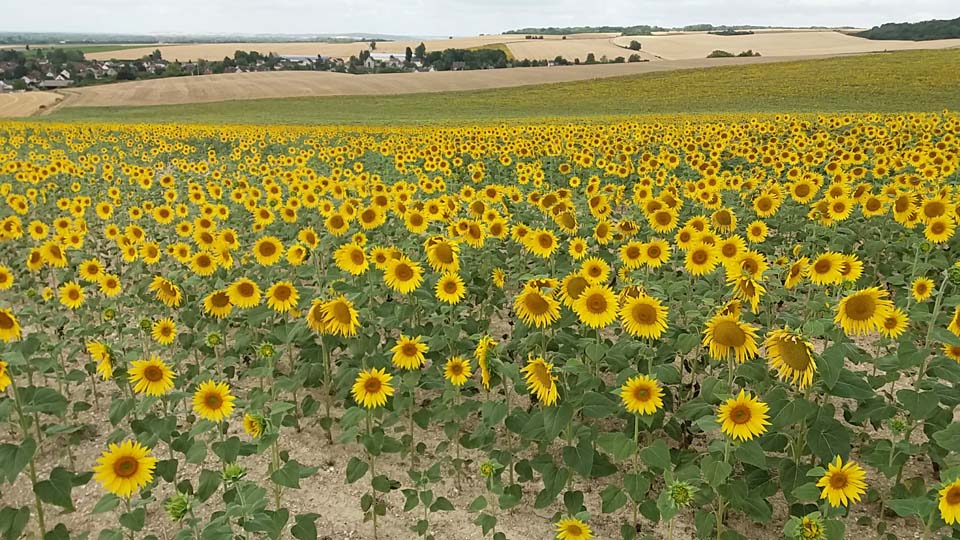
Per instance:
x=266, y=351
x=954, y=274
x=926, y=246
x=213, y=339
x=109, y=314
x=233, y=473
x=145, y=325
x=811, y=528
x=177, y=506
x=681, y=493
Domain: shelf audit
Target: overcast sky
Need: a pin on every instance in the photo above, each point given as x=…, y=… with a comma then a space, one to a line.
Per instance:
x=441, y=18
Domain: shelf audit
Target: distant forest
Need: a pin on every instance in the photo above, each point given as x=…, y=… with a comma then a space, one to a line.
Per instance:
x=641, y=30
x=920, y=31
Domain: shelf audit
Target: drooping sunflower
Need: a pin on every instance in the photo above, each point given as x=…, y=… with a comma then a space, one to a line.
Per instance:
x=101, y=354
x=9, y=326
x=403, y=275
x=457, y=370
x=253, y=424
x=922, y=288
x=164, y=331
x=743, y=417
x=796, y=273
x=372, y=388
x=726, y=334
x=644, y=317
x=213, y=401
x=596, y=307
x=339, y=317
x=267, y=250
x=843, y=483
x=480, y=354
x=536, y=308
x=450, y=288
x=125, y=468
x=166, y=291
x=573, y=529
x=217, y=304
x=151, y=377
x=791, y=356
x=71, y=295
x=282, y=297
x=954, y=325
x=499, y=277
x=863, y=311
x=540, y=380
x=408, y=353
x=244, y=293
x=641, y=395
x=351, y=258
x=949, y=504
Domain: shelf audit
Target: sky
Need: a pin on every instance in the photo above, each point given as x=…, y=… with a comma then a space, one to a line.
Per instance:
x=442, y=18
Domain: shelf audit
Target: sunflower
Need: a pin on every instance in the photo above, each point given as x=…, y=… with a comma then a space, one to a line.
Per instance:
x=950, y=502
x=339, y=317
x=244, y=293
x=499, y=277
x=655, y=253
x=577, y=248
x=166, y=291
x=408, y=353
x=450, y=288
x=101, y=354
x=4, y=377
x=701, y=259
x=536, y=308
x=213, y=401
x=954, y=325
x=842, y=483
x=939, y=229
x=743, y=417
x=372, y=388
x=851, y=268
x=641, y=395
x=726, y=334
x=253, y=424
x=540, y=380
x=863, y=311
x=282, y=297
x=457, y=370
x=217, y=304
x=403, y=275
x=573, y=529
x=596, y=307
x=125, y=468
x=791, y=356
x=595, y=270
x=53, y=254
x=267, y=250
x=644, y=317
x=796, y=272
x=71, y=295
x=203, y=264
x=952, y=351
x=922, y=288
x=757, y=232
x=631, y=255
x=351, y=258
x=894, y=323
x=164, y=331
x=151, y=377
x=443, y=254
x=826, y=269
x=541, y=243
x=480, y=353
x=90, y=270
x=9, y=326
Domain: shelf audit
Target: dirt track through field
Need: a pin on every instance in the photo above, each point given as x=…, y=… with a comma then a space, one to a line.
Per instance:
x=238, y=86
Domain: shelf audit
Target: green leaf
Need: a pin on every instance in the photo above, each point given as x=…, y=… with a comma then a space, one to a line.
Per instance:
x=573, y=502
x=612, y=499
x=486, y=523
x=270, y=522
x=14, y=458
x=442, y=504
x=615, y=443
x=510, y=497
x=579, y=458
x=598, y=405
x=384, y=484
x=920, y=405
x=217, y=530
x=949, y=438
x=134, y=519
x=556, y=419
x=919, y=507
x=356, y=468
x=209, y=483
x=808, y=492
x=290, y=474
x=106, y=503
x=751, y=452
x=13, y=521
x=478, y=504
x=59, y=532
x=657, y=455
x=827, y=437
x=57, y=489
x=636, y=485
x=715, y=472
x=42, y=400
x=305, y=527
x=666, y=506
x=227, y=450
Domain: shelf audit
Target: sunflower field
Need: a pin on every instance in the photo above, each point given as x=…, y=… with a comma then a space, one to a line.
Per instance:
x=701, y=327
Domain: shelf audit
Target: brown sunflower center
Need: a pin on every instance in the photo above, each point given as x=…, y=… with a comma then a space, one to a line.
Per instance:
x=403, y=272
x=938, y=227
x=126, y=466
x=574, y=530
x=341, y=312
x=443, y=253
x=372, y=385
x=699, y=256
x=729, y=334
x=450, y=287
x=596, y=303
x=644, y=314
x=838, y=480
x=653, y=252
x=213, y=401
x=153, y=373
x=220, y=300
x=245, y=289
x=409, y=350
x=795, y=354
x=953, y=496
x=536, y=304
x=663, y=218
x=633, y=252
x=860, y=307
x=268, y=249
x=934, y=209
x=73, y=294
x=456, y=369
x=740, y=414
x=6, y=321
x=282, y=293
x=641, y=393
x=545, y=241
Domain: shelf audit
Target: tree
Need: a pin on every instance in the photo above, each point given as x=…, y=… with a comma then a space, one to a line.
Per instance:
x=421, y=51
x=156, y=55
x=634, y=58
x=373, y=45
x=408, y=55
x=591, y=58
x=635, y=45
x=18, y=84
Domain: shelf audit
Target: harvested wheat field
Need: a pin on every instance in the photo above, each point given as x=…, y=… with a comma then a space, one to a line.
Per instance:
x=14, y=105
x=785, y=43
x=234, y=86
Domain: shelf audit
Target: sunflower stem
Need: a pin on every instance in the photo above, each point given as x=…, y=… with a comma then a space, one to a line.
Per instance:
x=636, y=463
x=33, y=466
x=373, y=475
x=327, y=394
x=933, y=321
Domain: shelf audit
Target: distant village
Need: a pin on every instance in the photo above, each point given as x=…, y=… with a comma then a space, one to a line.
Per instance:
x=53, y=68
